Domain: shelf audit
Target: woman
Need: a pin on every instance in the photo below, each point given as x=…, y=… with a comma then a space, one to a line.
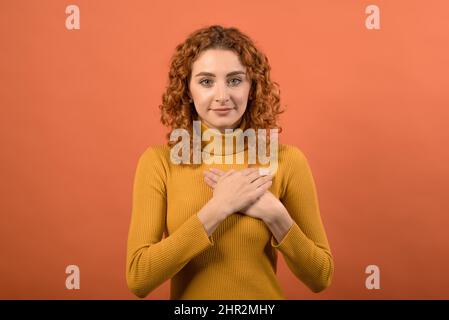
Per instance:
x=223, y=222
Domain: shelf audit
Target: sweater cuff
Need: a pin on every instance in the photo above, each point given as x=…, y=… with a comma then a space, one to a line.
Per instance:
x=195, y=230
x=290, y=239
x=193, y=238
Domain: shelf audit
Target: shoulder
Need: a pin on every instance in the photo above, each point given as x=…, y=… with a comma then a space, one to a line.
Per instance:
x=154, y=152
x=293, y=161
x=293, y=167
x=155, y=157
x=291, y=155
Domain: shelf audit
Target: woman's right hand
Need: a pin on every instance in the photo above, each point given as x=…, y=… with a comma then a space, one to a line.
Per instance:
x=237, y=190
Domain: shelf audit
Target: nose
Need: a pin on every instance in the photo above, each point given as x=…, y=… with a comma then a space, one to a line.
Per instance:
x=222, y=95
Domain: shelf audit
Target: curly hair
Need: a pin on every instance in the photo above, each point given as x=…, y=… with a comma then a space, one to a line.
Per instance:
x=263, y=106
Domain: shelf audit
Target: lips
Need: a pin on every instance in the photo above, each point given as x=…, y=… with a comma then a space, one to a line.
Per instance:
x=221, y=109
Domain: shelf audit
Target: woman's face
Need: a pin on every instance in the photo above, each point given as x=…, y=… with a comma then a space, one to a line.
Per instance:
x=219, y=88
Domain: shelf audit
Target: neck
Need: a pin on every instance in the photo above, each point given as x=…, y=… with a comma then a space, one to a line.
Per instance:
x=223, y=142
x=223, y=131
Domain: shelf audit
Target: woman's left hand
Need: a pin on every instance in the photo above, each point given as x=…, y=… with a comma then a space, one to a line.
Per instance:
x=266, y=208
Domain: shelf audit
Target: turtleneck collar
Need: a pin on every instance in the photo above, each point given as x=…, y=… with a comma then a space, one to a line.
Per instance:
x=209, y=146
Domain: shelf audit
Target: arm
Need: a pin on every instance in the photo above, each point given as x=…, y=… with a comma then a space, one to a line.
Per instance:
x=279, y=223
x=305, y=246
x=151, y=260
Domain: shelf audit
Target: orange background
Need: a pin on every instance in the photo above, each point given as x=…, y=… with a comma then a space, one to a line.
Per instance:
x=369, y=108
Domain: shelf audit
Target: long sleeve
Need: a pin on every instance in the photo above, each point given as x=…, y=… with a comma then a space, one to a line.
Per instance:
x=151, y=260
x=305, y=246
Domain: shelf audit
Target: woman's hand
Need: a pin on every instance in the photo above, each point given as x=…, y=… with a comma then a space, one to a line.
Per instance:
x=267, y=207
x=237, y=190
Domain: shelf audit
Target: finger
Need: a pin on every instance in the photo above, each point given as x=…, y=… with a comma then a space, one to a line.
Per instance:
x=210, y=182
x=248, y=171
x=227, y=174
x=211, y=176
x=253, y=176
x=230, y=172
x=217, y=171
x=264, y=171
x=262, y=181
x=262, y=189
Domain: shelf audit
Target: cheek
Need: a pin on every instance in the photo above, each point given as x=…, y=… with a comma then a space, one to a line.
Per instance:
x=241, y=96
x=203, y=96
x=202, y=100
x=244, y=90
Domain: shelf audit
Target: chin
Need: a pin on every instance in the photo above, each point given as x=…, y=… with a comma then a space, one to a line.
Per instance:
x=223, y=123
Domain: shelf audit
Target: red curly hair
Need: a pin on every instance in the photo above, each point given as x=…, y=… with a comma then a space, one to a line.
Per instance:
x=263, y=107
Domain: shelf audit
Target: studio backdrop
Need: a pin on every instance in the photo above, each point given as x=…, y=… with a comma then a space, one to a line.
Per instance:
x=364, y=85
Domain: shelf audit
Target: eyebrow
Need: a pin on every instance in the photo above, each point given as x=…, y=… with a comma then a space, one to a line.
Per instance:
x=213, y=75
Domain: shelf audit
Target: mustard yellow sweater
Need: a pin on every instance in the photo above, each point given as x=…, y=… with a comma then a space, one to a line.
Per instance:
x=238, y=261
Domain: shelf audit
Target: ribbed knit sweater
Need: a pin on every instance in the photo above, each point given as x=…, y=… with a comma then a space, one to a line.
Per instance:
x=239, y=260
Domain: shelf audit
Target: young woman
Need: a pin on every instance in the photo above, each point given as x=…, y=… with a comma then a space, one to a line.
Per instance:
x=223, y=222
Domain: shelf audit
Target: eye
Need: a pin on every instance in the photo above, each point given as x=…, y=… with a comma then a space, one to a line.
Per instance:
x=236, y=83
x=208, y=82
x=203, y=82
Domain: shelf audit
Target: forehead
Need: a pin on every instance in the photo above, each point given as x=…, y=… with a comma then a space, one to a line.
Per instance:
x=217, y=61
